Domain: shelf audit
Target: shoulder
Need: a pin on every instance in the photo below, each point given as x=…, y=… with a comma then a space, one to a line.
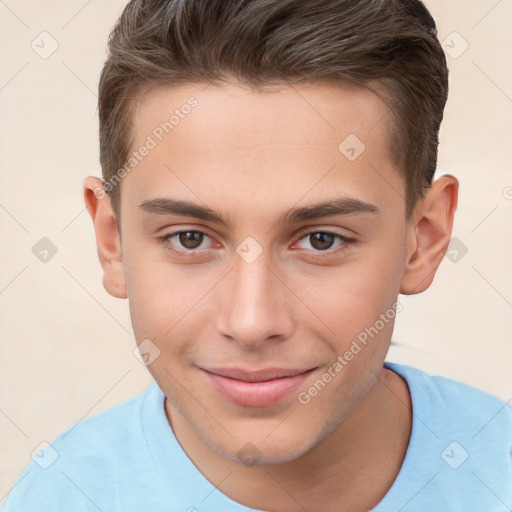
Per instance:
x=460, y=447
x=445, y=400
x=109, y=430
x=55, y=473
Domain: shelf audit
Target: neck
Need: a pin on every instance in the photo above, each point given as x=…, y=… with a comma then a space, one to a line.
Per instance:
x=351, y=469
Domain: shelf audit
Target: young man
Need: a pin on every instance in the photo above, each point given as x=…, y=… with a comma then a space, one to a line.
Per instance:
x=268, y=193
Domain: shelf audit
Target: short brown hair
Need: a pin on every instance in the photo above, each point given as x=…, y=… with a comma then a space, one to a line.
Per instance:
x=262, y=42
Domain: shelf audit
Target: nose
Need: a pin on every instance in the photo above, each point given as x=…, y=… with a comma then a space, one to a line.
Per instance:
x=255, y=304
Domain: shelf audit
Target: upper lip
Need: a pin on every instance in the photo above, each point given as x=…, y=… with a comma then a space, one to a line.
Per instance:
x=256, y=375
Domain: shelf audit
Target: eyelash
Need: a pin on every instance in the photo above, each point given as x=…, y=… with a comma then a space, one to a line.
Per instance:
x=164, y=240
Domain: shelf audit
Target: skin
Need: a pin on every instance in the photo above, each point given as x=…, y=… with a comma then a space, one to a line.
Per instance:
x=251, y=155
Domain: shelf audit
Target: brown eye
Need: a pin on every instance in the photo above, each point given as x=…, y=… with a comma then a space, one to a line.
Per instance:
x=190, y=239
x=325, y=244
x=185, y=243
x=321, y=241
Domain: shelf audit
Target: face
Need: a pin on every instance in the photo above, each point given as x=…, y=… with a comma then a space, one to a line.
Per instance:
x=250, y=300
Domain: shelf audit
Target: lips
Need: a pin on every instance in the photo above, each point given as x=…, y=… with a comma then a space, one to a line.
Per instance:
x=260, y=388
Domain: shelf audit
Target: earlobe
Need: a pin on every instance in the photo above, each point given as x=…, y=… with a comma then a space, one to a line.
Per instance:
x=429, y=234
x=108, y=241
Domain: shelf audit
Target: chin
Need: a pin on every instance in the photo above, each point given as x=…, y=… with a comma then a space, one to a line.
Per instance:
x=260, y=450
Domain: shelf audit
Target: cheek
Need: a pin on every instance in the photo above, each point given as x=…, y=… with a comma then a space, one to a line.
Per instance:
x=167, y=303
x=352, y=297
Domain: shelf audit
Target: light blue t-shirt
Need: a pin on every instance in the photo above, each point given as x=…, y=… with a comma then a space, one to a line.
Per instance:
x=127, y=459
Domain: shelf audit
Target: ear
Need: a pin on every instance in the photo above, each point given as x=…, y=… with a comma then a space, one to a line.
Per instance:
x=108, y=240
x=429, y=233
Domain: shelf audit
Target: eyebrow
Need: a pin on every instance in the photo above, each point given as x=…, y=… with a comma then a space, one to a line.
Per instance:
x=338, y=206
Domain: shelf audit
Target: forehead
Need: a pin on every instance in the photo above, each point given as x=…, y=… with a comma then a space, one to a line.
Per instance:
x=283, y=136
x=311, y=113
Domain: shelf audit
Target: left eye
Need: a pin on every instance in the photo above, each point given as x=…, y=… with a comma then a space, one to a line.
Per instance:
x=323, y=240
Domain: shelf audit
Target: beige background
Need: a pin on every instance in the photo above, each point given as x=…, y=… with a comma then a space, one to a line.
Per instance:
x=67, y=346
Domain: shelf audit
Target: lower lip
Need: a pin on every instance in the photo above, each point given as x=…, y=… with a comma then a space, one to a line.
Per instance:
x=256, y=394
